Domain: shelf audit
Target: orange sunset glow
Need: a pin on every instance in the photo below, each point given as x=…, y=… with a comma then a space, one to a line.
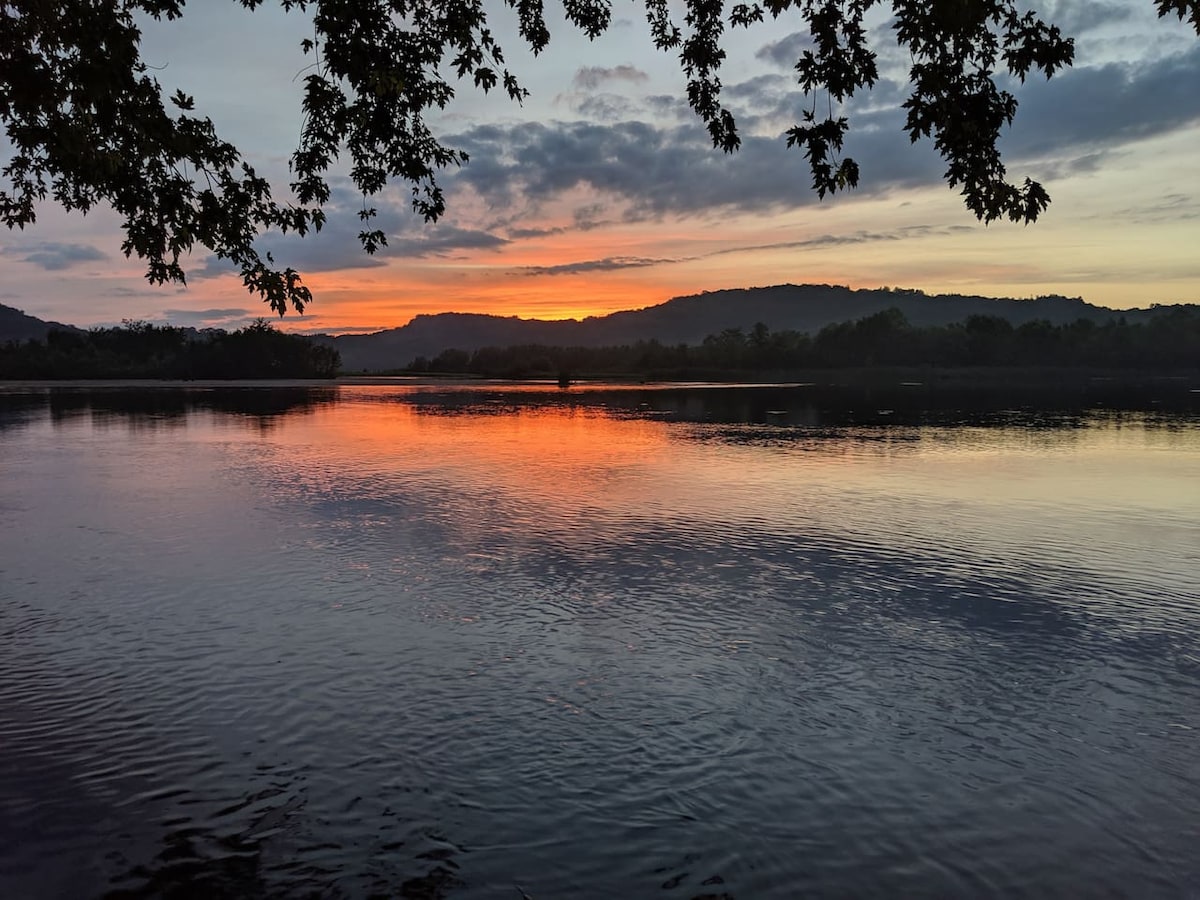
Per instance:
x=647, y=264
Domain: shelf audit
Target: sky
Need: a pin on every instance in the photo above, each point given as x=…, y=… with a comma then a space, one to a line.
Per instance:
x=603, y=192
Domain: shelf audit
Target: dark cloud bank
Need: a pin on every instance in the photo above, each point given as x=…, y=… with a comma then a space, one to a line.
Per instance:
x=655, y=170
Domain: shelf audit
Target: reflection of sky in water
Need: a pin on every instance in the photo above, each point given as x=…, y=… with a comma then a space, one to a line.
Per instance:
x=1111, y=503
x=595, y=649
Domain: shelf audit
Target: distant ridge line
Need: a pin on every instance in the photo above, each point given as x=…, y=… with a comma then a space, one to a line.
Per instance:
x=686, y=319
x=689, y=319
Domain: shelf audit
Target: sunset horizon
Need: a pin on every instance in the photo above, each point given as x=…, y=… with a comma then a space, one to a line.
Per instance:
x=602, y=192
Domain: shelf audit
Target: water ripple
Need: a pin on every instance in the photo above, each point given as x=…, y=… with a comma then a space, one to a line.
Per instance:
x=372, y=651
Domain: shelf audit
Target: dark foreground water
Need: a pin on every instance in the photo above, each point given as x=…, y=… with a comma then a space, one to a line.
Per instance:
x=467, y=643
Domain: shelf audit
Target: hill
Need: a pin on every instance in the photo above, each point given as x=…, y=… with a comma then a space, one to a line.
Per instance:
x=15, y=325
x=688, y=320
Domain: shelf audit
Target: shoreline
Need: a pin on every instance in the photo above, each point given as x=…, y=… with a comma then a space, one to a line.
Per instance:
x=912, y=379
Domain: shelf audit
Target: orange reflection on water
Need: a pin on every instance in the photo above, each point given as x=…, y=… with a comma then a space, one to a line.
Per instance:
x=558, y=454
x=506, y=468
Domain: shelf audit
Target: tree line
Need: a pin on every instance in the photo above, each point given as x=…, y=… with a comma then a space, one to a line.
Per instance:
x=146, y=350
x=1167, y=341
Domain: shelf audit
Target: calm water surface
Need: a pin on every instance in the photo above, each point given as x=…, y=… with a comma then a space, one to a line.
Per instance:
x=469, y=642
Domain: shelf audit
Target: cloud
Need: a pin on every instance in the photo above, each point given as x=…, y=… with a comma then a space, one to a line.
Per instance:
x=785, y=51
x=205, y=316
x=668, y=106
x=226, y=319
x=1169, y=207
x=605, y=107
x=591, y=77
x=905, y=233
x=442, y=240
x=756, y=90
x=652, y=171
x=615, y=263
x=1148, y=85
x=55, y=257
x=1077, y=17
x=608, y=264
x=1106, y=106
x=124, y=291
x=518, y=234
x=526, y=233
x=588, y=216
x=336, y=246
x=315, y=253
x=588, y=101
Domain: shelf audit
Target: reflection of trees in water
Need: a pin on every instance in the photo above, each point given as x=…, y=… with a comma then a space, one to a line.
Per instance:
x=810, y=406
x=916, y=405
x=162, y=407
x=1055, y=406
x=17, y=410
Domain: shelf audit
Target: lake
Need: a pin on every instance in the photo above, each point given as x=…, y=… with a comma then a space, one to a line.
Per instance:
x=486, y=640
